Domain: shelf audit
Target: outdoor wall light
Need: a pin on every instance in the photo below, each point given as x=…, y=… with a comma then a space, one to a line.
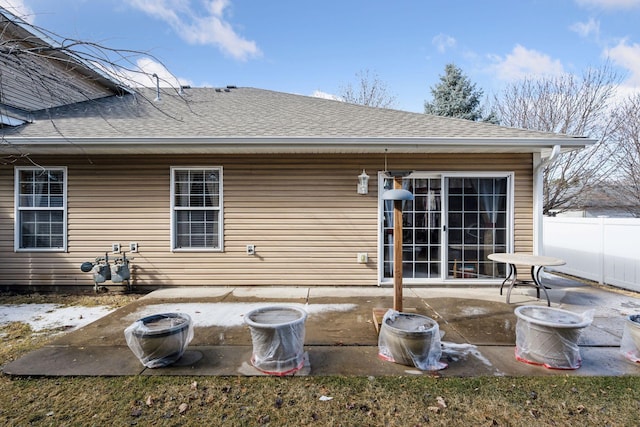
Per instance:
x=397, y=194
x=363, y=183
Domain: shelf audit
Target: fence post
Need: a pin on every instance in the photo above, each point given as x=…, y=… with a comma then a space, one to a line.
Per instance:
x=601, y=249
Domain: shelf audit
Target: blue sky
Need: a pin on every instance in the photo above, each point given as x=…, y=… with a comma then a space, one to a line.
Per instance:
x=317, y=47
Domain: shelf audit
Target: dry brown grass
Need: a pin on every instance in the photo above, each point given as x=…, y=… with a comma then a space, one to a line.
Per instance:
x=114, y=300
x=355, y=401
x=17, y=338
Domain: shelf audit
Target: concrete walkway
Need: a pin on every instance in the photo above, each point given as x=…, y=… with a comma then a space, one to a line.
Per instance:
x=478, y=327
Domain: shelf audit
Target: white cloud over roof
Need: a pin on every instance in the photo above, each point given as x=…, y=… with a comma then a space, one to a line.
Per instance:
x=19, y=8
x=585, y=29
x=442, y=42
x=523, y=62
x=627, y=55
x=141, y=74
x=203, y=26
x=325, y=95
x=610, y=4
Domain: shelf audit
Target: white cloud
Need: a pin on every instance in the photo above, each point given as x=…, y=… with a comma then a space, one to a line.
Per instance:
x=523, y=62
x=442, y=42
x=610, y=4
x=584, y=29
x=204, y=27
x=141, y=75
x=325, y=95
x=19, y=8
x=150, y=67
x=627, y=56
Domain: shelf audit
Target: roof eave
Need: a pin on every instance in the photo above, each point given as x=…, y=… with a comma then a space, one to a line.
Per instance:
x=261, y=145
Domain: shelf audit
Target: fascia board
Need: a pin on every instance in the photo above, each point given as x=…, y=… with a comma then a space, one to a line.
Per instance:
x=300, y=144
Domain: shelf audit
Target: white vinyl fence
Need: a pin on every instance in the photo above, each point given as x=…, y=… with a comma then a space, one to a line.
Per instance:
x=605, y=250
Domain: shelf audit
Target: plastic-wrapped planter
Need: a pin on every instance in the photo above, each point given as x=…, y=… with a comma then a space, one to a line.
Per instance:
x=630, y=343
x=161, y=339
x=549, y=336
x=277, y=334
x=410, y=339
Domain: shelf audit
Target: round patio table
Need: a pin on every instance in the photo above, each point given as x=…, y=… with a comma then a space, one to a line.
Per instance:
x=537, y=264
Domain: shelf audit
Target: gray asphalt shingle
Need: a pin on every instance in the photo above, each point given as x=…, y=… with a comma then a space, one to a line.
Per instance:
x=251, y=113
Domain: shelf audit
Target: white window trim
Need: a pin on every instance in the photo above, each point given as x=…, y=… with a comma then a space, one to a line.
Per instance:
x=17, y=209
x=173, y=211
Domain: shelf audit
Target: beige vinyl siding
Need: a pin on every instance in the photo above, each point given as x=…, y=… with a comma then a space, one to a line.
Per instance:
x=301, y=212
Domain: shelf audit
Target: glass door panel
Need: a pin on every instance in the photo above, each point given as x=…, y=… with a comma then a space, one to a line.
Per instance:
x=421, y=230
x=476, y=226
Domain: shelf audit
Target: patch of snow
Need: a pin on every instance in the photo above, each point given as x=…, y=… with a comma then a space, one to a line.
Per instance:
x=225, y=314
x=52, y=316
x=41, y=317
x=629, y=307
x=474, y=311
x=463, y=350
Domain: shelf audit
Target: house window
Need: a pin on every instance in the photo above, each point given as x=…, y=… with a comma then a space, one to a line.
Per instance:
x=41, y=204
x=196, y=208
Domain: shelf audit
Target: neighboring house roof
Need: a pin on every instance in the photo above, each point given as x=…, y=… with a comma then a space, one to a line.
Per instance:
x=610, y=198
x=243, y=120
x=39, y=73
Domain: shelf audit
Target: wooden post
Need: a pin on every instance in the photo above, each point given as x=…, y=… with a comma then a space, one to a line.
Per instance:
x=397, y=248
x=398, y=195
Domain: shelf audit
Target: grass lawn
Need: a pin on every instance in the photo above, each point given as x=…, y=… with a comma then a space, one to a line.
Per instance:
x=296, y=401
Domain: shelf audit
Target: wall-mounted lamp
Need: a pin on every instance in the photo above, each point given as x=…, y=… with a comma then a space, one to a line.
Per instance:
x=363, y=183
x=397, y=194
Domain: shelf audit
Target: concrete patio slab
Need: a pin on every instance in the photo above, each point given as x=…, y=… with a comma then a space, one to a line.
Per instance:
x=275, y=293
x=76, y=361
x=596, y=361
x=477, y=327
x=205, y=292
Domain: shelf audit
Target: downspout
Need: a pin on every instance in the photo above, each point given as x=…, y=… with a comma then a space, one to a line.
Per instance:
x=538, y=195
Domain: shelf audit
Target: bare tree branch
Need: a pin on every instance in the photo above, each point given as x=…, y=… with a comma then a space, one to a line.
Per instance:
x=41, y=70
x=627, y=137
x=571, y=105
x=369, y=90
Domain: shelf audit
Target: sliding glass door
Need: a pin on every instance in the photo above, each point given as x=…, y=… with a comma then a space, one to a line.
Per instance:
x=449, y=228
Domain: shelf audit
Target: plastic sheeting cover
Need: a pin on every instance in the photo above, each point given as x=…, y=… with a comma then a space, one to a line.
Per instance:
x=549, y=336
x=161, y=339
x=630, y=342
x=410, y=339
x=277, y=334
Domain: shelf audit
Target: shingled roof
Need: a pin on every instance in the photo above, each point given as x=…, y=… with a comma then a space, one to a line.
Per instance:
x=257, y=120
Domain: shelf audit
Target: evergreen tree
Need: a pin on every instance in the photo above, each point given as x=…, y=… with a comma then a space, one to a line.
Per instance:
x=456, y=96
